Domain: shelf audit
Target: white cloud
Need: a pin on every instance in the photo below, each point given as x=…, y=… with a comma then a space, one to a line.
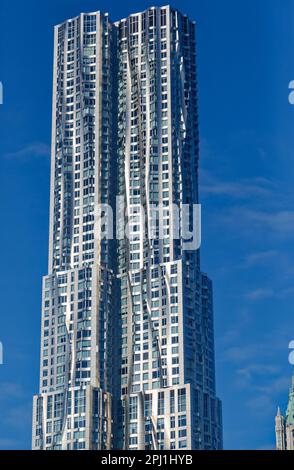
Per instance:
x=250, y=222
x=19, y=417
x=33, y=150
x=6, y=443
x=249, y=371
x=240, y=189
x=262, y=404
x=260, y=294
x=10, y=390
x=260, y=258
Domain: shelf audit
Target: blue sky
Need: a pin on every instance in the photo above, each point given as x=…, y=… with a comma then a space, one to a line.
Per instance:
x=245, y=62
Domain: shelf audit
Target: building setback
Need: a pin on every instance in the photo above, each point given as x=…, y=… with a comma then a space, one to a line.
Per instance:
x=127, y=343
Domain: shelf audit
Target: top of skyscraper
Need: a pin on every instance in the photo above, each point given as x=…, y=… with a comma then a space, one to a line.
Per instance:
x=123, y=19
x=162, y=7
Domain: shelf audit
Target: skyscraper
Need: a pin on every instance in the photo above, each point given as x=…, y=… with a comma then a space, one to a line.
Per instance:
x=285, y=425
x=127, y=349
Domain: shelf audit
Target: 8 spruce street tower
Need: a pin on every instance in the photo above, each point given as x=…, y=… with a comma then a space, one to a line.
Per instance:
x=127, y=343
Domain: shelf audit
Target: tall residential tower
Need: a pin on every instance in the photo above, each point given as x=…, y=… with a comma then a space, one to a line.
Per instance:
x=127, y=348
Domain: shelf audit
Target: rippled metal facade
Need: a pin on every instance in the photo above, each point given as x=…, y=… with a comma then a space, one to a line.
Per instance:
x=73, y=409
x=127, y=353
x=168, y=386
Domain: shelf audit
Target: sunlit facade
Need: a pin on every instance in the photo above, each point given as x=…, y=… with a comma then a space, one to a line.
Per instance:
x=74, y=407
x=127, y=346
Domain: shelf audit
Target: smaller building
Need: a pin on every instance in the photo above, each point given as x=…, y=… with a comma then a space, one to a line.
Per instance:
x=285, y=425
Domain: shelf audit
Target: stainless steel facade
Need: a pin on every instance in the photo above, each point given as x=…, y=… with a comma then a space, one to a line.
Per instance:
x=127, y=353
x=73, y=409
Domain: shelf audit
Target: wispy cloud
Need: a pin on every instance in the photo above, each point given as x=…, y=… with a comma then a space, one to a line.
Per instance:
x=265, y=396
x=10, y=390
x=260, y=294
x=259, y=258
x=250, y=371
x=259, y=377
x=276, y=386
x=248, y=222
x=242, y=189
x=242, y=353
x=257, y=355
x=263, y=293
x=33, y=150
x=19, y=417
x=261, y=403
x=280, y=222
x=6, y=443
x=265, y=382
